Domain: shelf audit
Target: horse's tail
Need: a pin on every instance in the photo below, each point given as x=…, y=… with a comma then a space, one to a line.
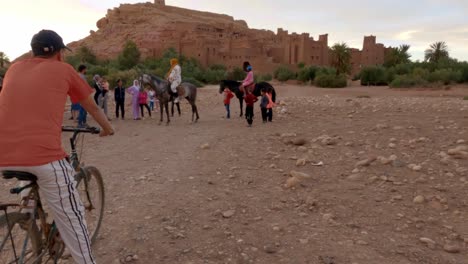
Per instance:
x=269, y=89
x=273, y=94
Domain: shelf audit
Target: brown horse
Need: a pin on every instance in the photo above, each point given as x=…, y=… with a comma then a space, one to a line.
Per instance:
x=161, y=88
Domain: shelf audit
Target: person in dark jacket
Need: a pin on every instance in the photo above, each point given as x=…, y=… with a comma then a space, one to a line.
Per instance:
x=119, y=95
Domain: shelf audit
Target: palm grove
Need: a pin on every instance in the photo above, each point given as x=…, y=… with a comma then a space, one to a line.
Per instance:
x=398, y=70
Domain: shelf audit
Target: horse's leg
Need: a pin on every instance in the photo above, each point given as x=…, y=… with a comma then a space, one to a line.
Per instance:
x=196, y=111
x=167, y=112
x=161, y=110
x=241, y=103
x=172, y=108
x=193, y=112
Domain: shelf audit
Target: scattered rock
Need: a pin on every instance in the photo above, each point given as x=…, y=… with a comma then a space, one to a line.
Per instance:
x=460, y=152
x=302, y=149
x=301, y=162
x=451, y=248
x=300, y=175
x=384, y=161
x=292, y=182
x=299, y=142
x=326, y=140
x=362, y=243
x=366, y=162
x=286, y=135
x=398, y=163
x=419, y=199
x=415, y=167
x=429, y=242
x=355, y=177
x=270, y=249
x=229, y=213
x=328, y=217
x=205, y=146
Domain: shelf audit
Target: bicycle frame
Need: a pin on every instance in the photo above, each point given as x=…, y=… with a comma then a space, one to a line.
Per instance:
x=37, y=213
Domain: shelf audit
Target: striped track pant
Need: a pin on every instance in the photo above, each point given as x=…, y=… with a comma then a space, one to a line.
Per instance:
x=57, y=189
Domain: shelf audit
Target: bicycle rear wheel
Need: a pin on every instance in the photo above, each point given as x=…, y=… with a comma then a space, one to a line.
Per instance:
x=91, y=189
x=20, y=239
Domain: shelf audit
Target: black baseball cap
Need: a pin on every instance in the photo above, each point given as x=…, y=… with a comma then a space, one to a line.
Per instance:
x=47, y=42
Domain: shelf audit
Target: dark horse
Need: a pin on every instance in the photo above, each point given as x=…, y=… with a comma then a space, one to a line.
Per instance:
x=259, y=87
x=161, y=88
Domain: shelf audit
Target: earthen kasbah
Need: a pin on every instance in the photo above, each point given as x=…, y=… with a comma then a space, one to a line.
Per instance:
x=214, y=39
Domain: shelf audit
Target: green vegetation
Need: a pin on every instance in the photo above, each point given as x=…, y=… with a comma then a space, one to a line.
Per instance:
x=263, y=78
x=399, y=72
x=237, y=74
x=284, y=73
x=436, y=52
x=331, y=81
x=341, y=58
x=397, y=56
x=4, y=60
x=130, y=56
x=128, y=66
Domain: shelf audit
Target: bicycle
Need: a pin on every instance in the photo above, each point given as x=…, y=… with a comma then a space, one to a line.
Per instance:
x=28, y=237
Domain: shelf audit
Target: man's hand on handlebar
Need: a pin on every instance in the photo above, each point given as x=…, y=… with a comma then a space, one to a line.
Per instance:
x=105, y=132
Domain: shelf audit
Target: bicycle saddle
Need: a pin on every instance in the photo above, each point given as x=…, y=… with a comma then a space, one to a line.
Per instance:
x=20, y=175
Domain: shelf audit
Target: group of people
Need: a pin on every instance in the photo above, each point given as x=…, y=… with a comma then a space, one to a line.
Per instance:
x=247, y=87
x=139, y=100
x=140, y=95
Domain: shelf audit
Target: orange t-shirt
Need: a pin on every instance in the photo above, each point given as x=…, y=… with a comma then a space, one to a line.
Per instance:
x=32, y=104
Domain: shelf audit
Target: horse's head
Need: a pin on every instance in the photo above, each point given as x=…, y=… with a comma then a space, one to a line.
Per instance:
x=157, y=84
x=146, y=79
x=222, y=86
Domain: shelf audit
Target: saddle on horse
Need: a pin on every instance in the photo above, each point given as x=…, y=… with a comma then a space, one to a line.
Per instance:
x=180, y=92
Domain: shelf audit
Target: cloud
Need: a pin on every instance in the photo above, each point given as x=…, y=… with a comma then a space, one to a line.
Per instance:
x=406, y=35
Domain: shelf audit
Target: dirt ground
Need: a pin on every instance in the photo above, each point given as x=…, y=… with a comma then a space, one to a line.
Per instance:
x=393, y=187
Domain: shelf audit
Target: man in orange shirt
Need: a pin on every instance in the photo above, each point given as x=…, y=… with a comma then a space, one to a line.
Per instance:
x=30, y=141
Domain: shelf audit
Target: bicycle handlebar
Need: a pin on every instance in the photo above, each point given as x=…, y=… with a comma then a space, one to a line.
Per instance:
x=90, y=130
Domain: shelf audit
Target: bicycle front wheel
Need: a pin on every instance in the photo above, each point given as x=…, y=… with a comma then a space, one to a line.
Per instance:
x=91, y=190
x=20, y=239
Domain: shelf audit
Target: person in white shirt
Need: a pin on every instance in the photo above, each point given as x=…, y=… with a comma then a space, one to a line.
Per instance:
x=174, y=76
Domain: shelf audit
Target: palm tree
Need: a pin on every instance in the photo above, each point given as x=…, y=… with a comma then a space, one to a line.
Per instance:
x=341, y=58
x=436, y=51
x=3, y=59
x=398, y=55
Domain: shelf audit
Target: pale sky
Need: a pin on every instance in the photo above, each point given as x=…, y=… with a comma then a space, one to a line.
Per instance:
x=417, y=22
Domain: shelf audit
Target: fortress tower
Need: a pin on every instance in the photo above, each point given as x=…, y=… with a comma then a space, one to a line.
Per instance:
x=160, y=2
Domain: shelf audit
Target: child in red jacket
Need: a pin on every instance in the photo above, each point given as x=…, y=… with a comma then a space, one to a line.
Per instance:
x=250, y=100
x=143, y=102
x=227, y=102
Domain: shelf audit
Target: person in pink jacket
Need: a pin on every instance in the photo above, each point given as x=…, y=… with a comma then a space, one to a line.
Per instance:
x=249, y=81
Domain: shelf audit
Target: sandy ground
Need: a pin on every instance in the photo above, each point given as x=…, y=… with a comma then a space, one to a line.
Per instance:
x=219, y=192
